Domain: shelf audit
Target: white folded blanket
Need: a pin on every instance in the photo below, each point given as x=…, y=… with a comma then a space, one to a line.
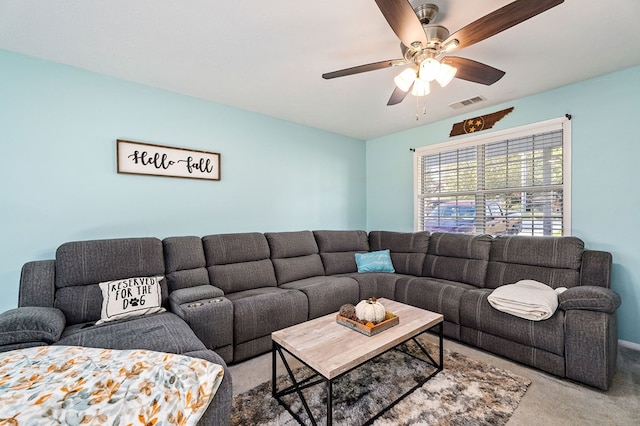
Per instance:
x=526, y=299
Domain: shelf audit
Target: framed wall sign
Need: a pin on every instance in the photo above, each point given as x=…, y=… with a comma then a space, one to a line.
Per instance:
x=147, y=159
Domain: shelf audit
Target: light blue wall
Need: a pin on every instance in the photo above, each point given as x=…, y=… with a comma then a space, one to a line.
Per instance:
x=605, y=163
x=58, y=127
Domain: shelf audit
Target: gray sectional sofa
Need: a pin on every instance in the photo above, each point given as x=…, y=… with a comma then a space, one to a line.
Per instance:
x=226, y=293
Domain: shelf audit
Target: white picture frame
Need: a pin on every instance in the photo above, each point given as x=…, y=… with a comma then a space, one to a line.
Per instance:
x=157, y=160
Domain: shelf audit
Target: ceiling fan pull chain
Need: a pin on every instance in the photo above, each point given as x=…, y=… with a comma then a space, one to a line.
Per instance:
x=424, y=106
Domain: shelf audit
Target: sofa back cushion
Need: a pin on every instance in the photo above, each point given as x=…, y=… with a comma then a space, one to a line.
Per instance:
x=185, y=263
x=408, y=249
x=554, y=261
x=458, y=257
x=82, y=265
x=338, y=250
x=294, y=255
x=238, y=262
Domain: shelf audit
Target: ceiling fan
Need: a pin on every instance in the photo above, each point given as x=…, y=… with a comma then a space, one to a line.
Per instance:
x=424, y=46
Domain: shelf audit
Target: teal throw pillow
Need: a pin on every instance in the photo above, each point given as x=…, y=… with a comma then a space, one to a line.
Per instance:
x=375, y=261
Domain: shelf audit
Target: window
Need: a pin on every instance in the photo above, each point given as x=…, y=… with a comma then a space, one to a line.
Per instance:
x=505, y=183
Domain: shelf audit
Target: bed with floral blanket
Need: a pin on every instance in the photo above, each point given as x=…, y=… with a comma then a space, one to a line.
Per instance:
x=73, y=385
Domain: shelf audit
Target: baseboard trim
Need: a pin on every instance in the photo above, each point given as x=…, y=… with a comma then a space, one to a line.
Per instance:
x=630, y=345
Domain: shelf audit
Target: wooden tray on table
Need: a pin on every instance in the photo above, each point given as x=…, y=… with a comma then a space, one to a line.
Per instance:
x=366, y=330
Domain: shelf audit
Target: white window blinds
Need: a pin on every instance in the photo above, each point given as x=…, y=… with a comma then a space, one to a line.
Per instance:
x=511, y=182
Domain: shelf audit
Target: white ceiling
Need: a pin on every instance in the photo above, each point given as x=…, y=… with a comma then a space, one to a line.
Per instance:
x=268, y=56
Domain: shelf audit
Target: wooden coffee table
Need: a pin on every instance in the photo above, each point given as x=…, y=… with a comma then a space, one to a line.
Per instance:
x=331, y=350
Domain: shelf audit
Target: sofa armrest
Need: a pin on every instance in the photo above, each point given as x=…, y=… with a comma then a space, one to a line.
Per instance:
x=595, y=269
x=208, y=313
x=29, y=325
x=591, y=347
x=591, y=298
x=193, y=294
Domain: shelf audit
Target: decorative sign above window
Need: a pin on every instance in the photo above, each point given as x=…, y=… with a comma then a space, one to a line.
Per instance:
x=147, y=159
x=477, y=124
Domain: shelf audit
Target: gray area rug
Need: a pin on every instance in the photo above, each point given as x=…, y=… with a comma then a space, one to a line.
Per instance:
x=466, y=392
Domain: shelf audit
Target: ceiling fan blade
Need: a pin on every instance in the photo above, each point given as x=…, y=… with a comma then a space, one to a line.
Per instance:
x=500, y=20
x=474, y=71
x=398, y=96
x=403, y=21
x=364, y=68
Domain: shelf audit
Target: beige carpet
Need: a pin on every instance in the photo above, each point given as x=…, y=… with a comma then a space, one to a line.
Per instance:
x=549, y=400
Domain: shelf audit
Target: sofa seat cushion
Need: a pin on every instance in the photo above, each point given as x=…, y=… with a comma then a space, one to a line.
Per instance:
x=260, y=311
x=325, y=295
x=164, y=332
x=476, y=313
x=377, y=284
x=433, y=294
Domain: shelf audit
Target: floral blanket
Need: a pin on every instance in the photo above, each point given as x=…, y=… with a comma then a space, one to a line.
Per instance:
x=73, y=385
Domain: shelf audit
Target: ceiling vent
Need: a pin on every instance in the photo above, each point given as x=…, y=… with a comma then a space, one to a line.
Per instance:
x=467, y=102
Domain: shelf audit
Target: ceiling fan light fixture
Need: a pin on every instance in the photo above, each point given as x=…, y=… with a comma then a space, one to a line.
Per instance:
x=429, y=69
x=421, y=42
x=420, y=88
x=450, y=45
x=446, y=74
x=405, y=79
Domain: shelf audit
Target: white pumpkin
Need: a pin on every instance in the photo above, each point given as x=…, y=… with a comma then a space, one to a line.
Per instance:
x=370, y=310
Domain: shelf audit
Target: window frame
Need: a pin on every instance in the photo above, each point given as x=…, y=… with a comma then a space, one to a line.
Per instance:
x=556, y=124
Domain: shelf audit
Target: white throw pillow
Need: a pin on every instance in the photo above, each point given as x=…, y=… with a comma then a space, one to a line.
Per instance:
x=130, y=297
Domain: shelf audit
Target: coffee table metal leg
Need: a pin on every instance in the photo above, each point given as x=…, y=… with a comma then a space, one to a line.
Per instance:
x=441, y=338
x=296, y=387
x=440, y=363
x=273, y=369
x=329, y=402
